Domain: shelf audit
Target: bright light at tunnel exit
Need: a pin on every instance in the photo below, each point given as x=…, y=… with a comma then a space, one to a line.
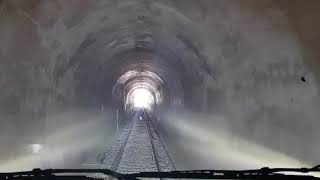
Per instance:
x=142, y=98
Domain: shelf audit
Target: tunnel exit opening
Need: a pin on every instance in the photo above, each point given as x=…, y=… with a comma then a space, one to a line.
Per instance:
x=139, y=89
x=142, y=93
x=141, y=98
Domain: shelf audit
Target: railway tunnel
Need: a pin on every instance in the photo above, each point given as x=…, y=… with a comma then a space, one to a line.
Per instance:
x=225, y=84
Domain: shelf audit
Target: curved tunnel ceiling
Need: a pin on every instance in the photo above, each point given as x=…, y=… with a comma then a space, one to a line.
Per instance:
x=141, y=41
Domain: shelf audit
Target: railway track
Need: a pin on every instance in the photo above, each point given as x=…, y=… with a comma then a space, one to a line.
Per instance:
x=161, y=153
x=151, y=138
x=114, y=152
x=138, y=148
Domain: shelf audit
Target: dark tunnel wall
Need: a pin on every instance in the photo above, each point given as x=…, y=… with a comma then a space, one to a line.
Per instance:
x=254, y=62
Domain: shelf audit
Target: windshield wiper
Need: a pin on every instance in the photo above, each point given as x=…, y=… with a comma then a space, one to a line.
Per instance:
x=263, y=173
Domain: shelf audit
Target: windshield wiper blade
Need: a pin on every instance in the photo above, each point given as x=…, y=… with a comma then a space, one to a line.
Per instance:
x=57, y=174
x=263, y=173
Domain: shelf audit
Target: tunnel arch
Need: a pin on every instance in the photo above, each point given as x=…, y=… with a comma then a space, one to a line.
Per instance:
x=182, y=64
x=72, y=56
x=133, y=79
x=133, y=35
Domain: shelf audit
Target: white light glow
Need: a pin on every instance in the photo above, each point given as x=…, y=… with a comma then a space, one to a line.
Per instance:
x=36, y=148
x=142, y=98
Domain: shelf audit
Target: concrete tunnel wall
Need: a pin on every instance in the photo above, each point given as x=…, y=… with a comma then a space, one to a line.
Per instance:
x=254, y=62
